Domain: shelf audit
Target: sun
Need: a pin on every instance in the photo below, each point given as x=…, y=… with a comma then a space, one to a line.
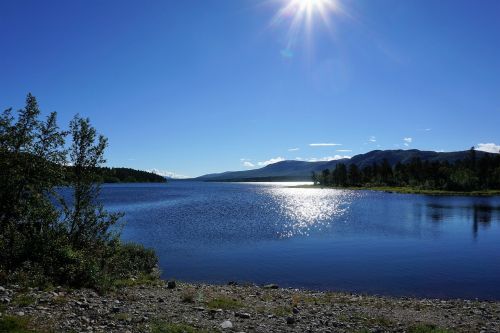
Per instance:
x=313, y=5
x=303, y=14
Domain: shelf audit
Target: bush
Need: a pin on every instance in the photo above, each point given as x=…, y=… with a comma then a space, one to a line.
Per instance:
x=44, y=239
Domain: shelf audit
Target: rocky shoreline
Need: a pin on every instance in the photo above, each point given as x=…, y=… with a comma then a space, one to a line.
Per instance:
x=182, y=307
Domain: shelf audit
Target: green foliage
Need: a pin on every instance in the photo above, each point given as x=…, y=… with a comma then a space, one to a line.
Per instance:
x=45, y=240
x=24, y=300
x=428, y=329
x=11, y=324
x=224, y=303
x=470, y=174
x=162, y=327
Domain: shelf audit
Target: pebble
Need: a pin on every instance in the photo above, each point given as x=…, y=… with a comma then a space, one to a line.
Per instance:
x=226, y=324
x=139, y=307
x=243, y=315
x=271, y=286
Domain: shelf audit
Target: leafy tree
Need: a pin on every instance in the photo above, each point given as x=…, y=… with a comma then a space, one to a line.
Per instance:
x=43, y=238
x=88, y=223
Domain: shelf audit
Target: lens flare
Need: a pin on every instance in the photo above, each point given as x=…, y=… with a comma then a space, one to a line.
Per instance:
x=302, y=14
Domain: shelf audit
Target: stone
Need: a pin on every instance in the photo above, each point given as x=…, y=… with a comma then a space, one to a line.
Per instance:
x=271, y=286
x=290, y=320
x=243, y=315
x=20, y=313
x=295, y=310
x=171, y=284
x=226, y=324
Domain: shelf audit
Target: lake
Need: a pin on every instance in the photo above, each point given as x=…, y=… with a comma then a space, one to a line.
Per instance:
x=324, y=239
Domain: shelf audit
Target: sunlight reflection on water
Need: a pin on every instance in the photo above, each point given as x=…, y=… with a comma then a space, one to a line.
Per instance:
x=307, y=209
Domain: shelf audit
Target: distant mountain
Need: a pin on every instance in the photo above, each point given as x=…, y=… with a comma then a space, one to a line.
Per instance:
x=300, y=170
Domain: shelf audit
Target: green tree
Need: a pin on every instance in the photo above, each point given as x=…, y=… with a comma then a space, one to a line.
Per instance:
x=31, y=162
x=88, y=223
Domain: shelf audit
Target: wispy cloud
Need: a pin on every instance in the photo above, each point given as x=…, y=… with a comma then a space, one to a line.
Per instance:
x=407, y=141
x=270, y=161
x=372, y=139
x=166, y=173
x=248, y=164
x=293, y=149
x=344, y=150
x=324, y=144
x=488, y=147
x=327, y=158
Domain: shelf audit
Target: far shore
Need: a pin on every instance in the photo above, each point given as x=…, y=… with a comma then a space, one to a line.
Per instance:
x=406, y=190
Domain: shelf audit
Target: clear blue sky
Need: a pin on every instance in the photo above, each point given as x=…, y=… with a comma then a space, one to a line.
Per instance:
x=194, y=86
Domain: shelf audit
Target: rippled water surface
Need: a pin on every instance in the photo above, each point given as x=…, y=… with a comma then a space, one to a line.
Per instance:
x=357, y=241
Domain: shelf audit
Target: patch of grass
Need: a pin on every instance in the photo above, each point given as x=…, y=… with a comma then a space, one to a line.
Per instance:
x=188, y=295
x=122, y=316
x=380, y=321
x=428, y=328
x=282, y=311
x=141, y=280
x=408, y=190
x=163, y=327
x=12, y=324
x=224, y=303
x=59, y=300
x=24, y=300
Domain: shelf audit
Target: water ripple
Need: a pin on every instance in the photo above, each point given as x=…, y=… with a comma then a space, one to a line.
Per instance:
x=309, y=209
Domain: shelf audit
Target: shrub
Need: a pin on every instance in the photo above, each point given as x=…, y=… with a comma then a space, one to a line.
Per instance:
x=45, y=239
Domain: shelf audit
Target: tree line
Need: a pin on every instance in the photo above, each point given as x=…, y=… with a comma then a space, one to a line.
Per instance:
x=469, y=174
x=45, y=239
x=125, y=175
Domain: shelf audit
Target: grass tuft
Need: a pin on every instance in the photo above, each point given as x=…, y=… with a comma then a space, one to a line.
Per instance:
x=428, y=328
x=12, y=324
x=224, y=303
x=163, y=327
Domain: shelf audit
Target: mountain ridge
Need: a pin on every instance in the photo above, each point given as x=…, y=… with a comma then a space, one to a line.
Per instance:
x=302, y=170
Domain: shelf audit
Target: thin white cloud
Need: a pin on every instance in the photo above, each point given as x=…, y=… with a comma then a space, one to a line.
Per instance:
x=168, y=174
x=248, y=164
x=408, y=140
x=488, y=147
x=271, y=161
x=372, y=139
x=344, y=150
x=327, y=158
x=293, y=149
x=324, y=144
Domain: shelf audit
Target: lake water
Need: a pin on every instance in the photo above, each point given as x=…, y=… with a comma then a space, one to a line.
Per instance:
x=326, y=239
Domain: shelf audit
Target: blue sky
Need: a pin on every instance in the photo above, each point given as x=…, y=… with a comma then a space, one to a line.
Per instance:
x=194, y=87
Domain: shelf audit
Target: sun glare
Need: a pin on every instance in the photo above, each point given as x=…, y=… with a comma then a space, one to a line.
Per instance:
x=303, y=14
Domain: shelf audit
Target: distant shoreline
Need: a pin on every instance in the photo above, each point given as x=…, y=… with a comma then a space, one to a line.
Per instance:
x=407, y=190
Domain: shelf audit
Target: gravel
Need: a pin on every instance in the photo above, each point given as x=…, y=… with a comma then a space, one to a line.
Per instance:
x=242, y=309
